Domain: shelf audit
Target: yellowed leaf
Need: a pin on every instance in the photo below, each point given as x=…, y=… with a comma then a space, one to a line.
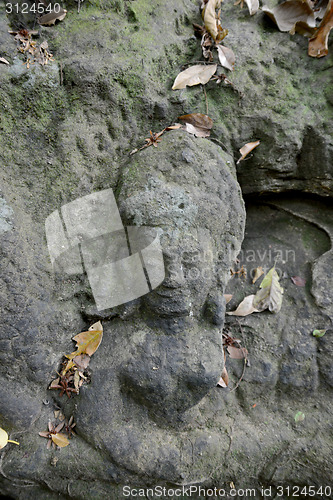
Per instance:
x=4, y=439
x=226, y=57
x=60, y=440
x=245, y=307
x=246, y=149
x=194, y=75
x=86, y=343
x=209, y=17
x=270, y=294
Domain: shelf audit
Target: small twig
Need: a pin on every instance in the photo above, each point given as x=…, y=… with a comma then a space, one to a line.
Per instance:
x=241, y=377
x=231, y=438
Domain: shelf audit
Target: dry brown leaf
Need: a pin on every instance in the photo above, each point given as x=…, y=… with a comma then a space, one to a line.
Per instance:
x=257, y=273
x=59, y=439
x=50, y=18
x=82, y=361
x=86, y=343
x=245, y=307
x=77, y=380
x=318, y=45
x=237, y=352
x=227, y=297
x=226, y=57
x=298, y=281
x=224, y=380
x=176, y=126
x=288, y=14
x=246, y=149
x=194, y=75
x=3, y=60
x=197, y=124
x=209, y=17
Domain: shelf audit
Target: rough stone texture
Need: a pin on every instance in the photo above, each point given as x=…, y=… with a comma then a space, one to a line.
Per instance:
x=66, y=130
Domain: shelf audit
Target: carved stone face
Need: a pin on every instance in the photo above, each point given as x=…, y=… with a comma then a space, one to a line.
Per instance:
x=165, y=354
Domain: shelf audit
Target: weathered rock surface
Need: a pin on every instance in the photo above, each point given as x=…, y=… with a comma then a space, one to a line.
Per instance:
x=66, y=131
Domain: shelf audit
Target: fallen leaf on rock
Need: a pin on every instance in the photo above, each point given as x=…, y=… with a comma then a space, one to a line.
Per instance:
x=194, y=75
x=82, y=361
x=299, y=417
x=246, y=149
x=173, y=127
x=298, y=281
x=4, y=439
x=245, y=307
x=60, y=440
x=257, y=273
x=253, y=6
x=318, y=44
x=237, y=352
x=226, y=57
x=288, y=14
x=270, y=294
x=54, y=437
x=197, y=124
x=227, y=297
x=86, y=343
x=319, y=333
x=224, y=380
x=209, y=17
x=3, y=60
x=50, y=18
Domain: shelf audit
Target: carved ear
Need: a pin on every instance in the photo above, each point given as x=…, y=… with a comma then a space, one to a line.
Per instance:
x=214, y=308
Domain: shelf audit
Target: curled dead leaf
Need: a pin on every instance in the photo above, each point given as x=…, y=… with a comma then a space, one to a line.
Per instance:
x=253, y=6
x=257, y=273
x=209, y=17
x=318, y=45
x=224, y=380
x=197, y=124
x=51, y=18
x=246, y=149
x=288, y=14
x=194, y=75
x=245, y=307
